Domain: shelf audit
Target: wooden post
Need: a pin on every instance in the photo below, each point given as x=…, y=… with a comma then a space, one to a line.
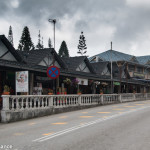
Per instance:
x=31, y=83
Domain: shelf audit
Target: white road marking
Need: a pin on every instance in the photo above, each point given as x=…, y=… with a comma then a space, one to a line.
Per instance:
x=44, y=138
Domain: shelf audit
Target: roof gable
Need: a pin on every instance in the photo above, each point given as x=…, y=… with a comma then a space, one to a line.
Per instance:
x=133, y=59
x=7, y=51
x=95, y=59
x=80, y=63
x=101, y=68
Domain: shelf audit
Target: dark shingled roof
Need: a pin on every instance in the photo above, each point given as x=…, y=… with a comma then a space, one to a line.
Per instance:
x=99, y=67
x=74, y=62
x=34, y=57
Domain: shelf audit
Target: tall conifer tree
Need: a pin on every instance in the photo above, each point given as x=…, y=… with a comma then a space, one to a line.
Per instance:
x=49, y=43
x=63, y=51
x=25, y=43
x=82, y=46
x=10, y=36
x=39, y=45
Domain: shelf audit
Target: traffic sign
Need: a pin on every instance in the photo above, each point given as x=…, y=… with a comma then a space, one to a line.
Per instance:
x=53, y=72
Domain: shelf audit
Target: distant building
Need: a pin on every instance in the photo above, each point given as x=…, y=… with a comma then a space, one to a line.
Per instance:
x=130, y=72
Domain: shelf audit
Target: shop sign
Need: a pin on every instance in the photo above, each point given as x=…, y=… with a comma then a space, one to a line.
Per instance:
x=53, y=72
x=138, y=75
x=42, y=78
x=22, y=84
x=116, y=83
x=82, y=81
x=104, y=83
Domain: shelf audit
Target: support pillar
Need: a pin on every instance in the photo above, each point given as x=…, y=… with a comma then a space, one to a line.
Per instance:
x=31, y=83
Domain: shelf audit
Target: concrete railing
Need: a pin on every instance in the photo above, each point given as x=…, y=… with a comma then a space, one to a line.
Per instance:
x=26, y=102
x=33, y=105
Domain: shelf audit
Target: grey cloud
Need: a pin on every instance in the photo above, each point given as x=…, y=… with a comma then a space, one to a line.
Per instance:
x=129, y=22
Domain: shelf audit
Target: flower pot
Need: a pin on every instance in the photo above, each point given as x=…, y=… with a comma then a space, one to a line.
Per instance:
x=79, y=93
x=6, y=93
x=50, y=93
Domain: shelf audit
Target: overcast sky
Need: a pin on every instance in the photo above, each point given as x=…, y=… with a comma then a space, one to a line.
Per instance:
x=124, y=22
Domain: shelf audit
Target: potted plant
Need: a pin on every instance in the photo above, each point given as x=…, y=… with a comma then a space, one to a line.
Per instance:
x=50, y=92
x=67, y=81
x=101, y=91
x=79, y=92
x=75, y=81
x=6, y=90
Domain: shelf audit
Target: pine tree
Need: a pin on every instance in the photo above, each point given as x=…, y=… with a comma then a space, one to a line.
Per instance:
x=10, y=36
x=82, y=46
x=25, y=43
x=50, y=43
x=39, y=45
x=63, y=51
x=42, y=43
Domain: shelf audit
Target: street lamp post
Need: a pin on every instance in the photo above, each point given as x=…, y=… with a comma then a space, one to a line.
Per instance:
x=54, y=22
x=111, y=72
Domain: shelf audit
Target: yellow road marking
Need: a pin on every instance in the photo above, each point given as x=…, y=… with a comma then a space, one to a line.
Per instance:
x=120, y=112
x=118, y=109
x=105, y=116
x=86, y=116
x=32, y=123
x=139, y=104
x=59, y=123
x=63, y=117
x=84, y=112
x=103, y=112
x=17, y=134
x=48, y=133
x=129, y=106
x=82, y=123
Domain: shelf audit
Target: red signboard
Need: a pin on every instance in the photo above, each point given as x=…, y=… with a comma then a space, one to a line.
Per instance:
x=53, y=72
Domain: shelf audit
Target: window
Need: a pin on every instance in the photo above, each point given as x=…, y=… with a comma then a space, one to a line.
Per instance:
x=139, y=70
x=131, y=68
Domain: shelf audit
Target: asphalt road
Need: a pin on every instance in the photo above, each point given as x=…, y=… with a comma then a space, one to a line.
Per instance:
x=123, y=126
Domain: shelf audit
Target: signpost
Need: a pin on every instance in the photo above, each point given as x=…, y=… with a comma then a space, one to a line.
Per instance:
x=53, y=72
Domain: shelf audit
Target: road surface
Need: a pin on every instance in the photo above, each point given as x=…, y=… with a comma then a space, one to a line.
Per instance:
x=123, y=126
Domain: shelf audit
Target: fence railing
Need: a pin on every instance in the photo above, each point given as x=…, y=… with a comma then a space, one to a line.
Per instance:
x=26, y=102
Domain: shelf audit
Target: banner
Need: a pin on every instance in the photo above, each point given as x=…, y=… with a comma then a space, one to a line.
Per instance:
x=22, y=84
x=138, y=75
x=82, y=81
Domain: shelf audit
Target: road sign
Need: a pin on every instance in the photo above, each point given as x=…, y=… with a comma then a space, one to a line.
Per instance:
x=53, y=72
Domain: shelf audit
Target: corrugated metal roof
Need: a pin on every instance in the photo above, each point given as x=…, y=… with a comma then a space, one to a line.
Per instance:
x=114, y=56
x=143, y=59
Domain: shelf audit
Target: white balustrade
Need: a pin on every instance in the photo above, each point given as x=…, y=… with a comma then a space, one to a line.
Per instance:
x=127, y=97
x=110, y=98
x=26, y=102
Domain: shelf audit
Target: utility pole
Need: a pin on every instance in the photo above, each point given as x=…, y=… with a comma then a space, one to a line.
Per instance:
x=54, y=22
x=111, y=71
